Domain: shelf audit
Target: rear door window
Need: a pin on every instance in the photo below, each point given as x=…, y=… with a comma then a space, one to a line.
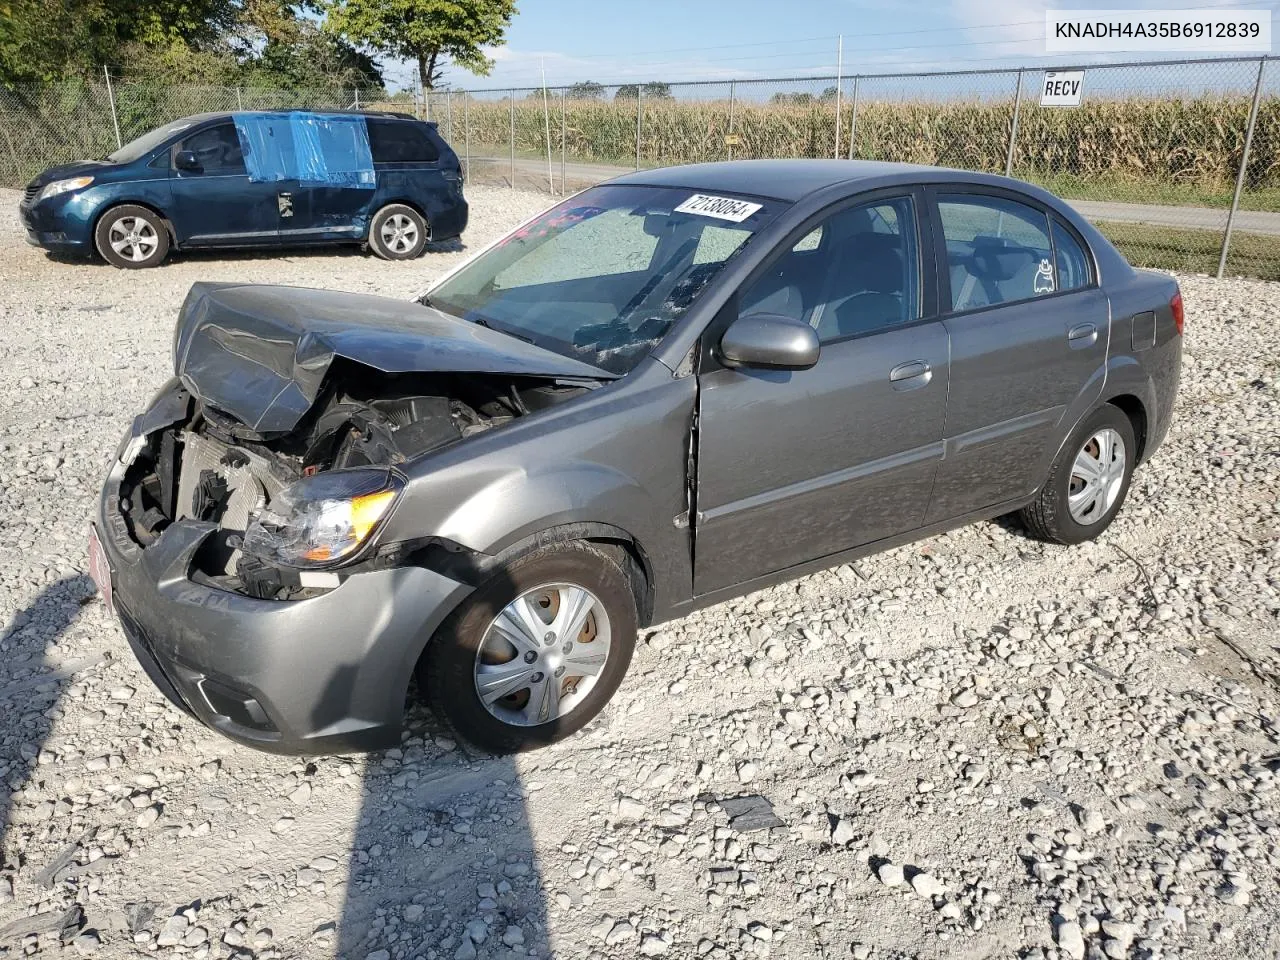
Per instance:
x=998, y=250
x=1069, y=258
x=401, y=141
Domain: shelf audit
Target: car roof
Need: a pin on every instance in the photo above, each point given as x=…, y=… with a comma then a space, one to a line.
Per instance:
x=790, y=180
x=382, y=114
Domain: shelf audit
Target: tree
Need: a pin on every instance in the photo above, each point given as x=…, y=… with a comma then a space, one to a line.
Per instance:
x=425, y=31
x=653, y=90
x=47, y=39
x=586, y=90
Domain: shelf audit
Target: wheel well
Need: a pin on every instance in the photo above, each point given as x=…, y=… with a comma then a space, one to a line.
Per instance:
x=623, y=548
x=1132, y=408
x=173, y=239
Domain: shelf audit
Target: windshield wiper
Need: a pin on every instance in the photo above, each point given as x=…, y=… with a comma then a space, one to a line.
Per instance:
x=482, y=322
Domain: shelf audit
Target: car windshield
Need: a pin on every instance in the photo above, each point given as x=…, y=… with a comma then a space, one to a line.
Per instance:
x=136, y=149
x=604, y=275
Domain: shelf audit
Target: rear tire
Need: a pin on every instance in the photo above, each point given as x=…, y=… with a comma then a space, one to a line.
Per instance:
x=1088, y=481
x=532, y=695
x=398, y=232
x=132, y=237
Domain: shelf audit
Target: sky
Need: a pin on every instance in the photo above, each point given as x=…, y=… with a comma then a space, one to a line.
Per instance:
x=673, y=40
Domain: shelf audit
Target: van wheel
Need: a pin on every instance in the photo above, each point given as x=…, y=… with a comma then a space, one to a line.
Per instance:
x=398, y=232
x=1088, y=481
x=131, y=237
x=536, y=652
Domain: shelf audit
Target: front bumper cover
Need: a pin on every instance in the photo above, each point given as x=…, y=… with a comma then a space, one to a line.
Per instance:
x=321, y=675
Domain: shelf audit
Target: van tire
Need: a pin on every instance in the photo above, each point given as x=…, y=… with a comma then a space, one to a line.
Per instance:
x=398, y=232
x=131, y=237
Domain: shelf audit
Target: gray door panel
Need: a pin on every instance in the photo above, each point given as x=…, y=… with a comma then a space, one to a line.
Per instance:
x=793, y=466
x=1015, y=371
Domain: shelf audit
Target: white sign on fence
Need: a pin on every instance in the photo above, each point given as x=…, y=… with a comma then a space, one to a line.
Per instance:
x=1062, y=88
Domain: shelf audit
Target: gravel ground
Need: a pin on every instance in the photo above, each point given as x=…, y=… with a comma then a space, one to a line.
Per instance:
x=974, y=746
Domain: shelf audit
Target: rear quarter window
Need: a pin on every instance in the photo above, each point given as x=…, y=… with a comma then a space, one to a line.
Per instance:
x=401, y=141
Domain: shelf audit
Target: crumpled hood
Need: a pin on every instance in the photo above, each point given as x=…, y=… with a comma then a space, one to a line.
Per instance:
x=260, y=353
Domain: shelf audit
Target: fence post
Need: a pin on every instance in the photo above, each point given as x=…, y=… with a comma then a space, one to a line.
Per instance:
x=111, y=99
x=1244, y=166
x=564, y=184
x=546, y=120
x=1013, y=131
x=239, y=102
x=466, y=135
x=448, y=111
x=357, y=97
x=639, y=114
x=729, y=138
x=513, y=139
x=839, y=79
x=853, y=122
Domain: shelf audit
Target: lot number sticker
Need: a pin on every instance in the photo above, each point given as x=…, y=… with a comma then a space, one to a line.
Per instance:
x=722, y=208
x=1062, y=88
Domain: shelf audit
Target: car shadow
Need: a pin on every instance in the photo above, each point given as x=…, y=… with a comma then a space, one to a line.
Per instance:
x=30, y=685
x=443, y=862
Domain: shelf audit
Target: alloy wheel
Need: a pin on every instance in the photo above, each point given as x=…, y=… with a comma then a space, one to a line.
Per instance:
x=133, y=238
x=399, y=233
x=542, y=654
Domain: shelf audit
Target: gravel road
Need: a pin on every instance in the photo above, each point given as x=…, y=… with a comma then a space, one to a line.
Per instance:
x=974, y=746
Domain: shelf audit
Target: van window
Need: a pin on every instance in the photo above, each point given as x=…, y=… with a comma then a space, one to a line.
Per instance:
x=217, y=150
x=401, y=141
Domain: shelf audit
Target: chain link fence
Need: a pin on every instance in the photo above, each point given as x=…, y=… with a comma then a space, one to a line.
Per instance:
x=1178, y=162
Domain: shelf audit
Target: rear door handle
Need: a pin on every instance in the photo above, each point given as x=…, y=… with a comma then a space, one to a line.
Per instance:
x=1082, y=335
x=911, y=375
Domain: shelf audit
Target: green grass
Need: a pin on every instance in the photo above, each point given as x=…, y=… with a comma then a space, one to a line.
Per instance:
x=1195, y=251
x=1154, y=191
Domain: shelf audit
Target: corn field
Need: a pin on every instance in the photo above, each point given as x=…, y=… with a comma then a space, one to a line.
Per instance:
x=1191, y=142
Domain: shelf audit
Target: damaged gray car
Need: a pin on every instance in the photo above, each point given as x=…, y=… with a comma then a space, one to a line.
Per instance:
x=671, y=389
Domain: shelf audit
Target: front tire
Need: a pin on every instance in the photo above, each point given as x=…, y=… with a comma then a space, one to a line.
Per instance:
x=1088, y=480
x=131, y=237
x=536, y=652
x=398, y=232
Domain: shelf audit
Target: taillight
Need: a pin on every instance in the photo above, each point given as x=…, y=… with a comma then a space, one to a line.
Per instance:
x=1179, y=316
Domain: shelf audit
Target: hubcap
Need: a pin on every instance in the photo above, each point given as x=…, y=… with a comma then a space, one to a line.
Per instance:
x=399, y=233
x=542, y=655
x=1096, y=477
x=133, y=238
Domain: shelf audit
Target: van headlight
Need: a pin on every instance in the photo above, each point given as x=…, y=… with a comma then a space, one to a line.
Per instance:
x=322, y=519
x=63, y=186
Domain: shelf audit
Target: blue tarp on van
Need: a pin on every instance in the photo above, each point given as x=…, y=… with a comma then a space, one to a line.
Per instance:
x=328, y=148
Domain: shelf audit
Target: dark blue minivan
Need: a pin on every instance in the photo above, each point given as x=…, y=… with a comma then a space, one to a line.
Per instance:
x=383, y=179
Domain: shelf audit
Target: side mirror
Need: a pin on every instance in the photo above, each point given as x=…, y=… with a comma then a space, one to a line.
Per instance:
x=186, y=160
x=770, y=340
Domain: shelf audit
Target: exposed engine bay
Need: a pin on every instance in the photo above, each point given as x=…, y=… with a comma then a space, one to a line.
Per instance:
x=211, y=467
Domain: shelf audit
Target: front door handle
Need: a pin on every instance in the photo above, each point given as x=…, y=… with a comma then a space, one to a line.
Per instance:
x=1082, y=335
x=911, y=375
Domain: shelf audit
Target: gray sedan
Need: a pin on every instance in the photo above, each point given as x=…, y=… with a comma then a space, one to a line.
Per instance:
x=671, y=389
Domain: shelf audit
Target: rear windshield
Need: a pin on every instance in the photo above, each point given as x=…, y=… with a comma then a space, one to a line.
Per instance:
x=603, y=276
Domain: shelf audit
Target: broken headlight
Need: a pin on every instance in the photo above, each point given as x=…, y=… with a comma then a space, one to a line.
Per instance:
x=322, y=519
